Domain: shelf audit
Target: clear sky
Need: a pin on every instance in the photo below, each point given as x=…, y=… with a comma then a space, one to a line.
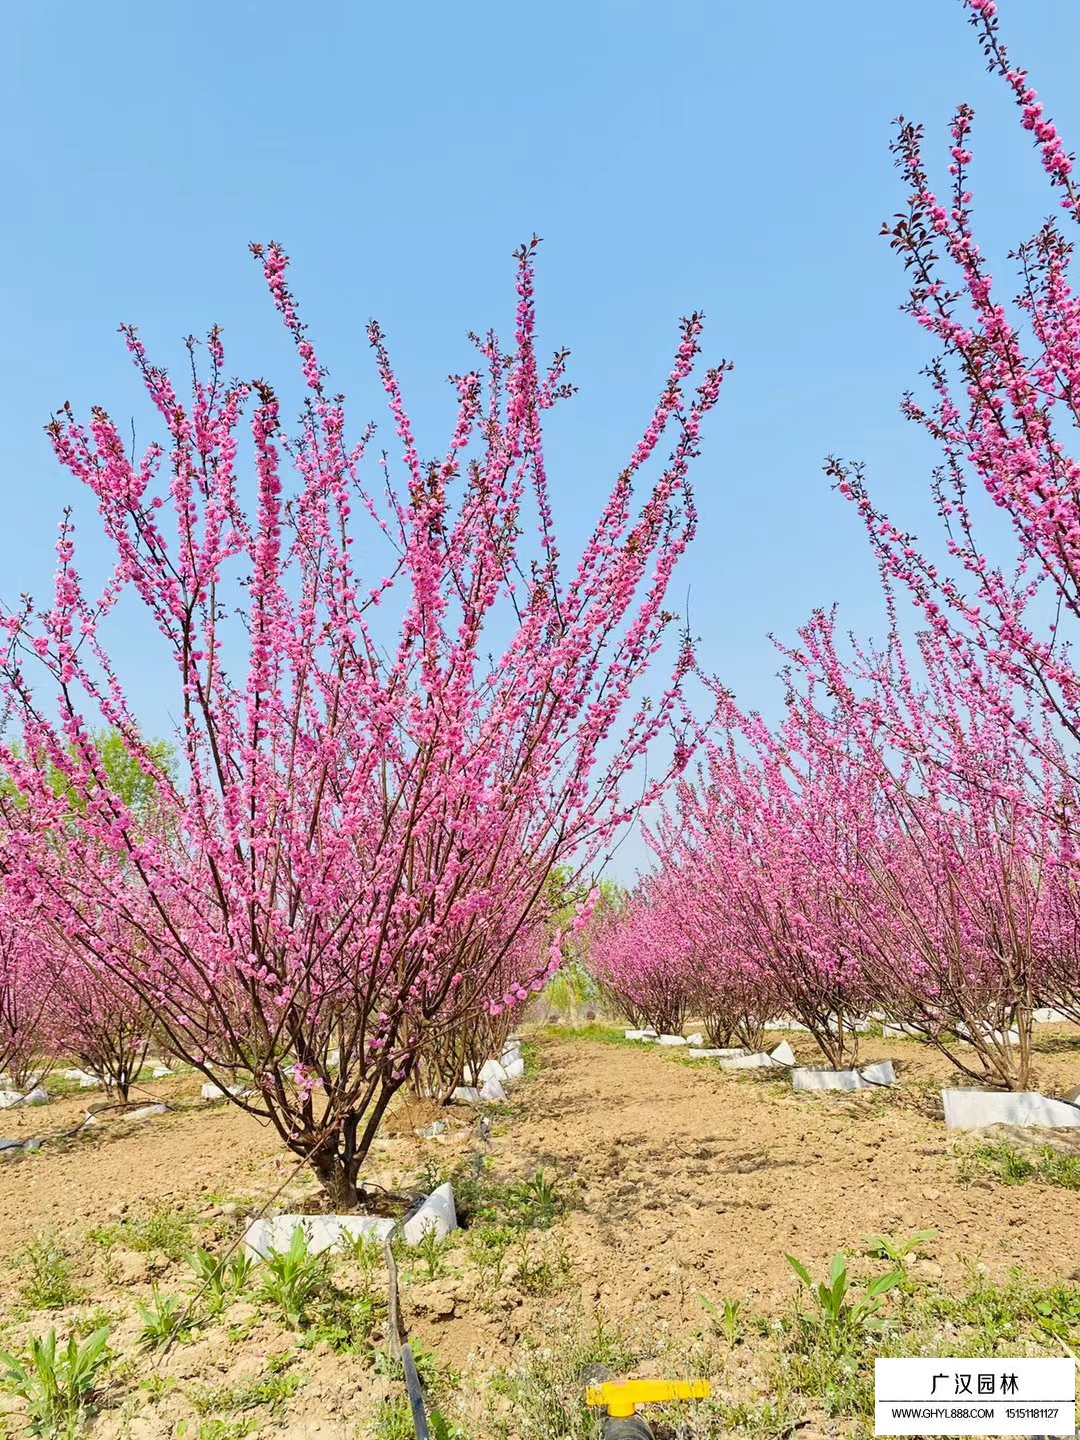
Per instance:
x=714, y=154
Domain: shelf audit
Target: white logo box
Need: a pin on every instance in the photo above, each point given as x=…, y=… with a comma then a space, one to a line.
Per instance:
x=950, y=1396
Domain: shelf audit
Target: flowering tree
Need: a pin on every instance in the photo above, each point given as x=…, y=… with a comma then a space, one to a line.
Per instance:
x=25, y=996
x=1003, y=409
x=639, y=959
x=954, y=880
x=96, y=1018
x=782, y=829
x=378, y=774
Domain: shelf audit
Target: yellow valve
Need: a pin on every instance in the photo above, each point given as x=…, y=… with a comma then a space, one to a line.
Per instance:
x=622, y=1397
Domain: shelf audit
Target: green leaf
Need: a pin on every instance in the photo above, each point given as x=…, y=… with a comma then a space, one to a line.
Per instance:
x=883, y=1283
x=800, y=1270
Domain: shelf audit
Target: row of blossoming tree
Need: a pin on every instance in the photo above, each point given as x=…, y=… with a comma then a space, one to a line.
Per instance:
x=906, y=840
x=399, y=715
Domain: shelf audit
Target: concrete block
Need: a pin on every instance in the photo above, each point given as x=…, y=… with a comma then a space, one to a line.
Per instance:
x=814, y=1077
x=210, y=1091
x=998, y=1037
x=972, y=1109
x=437, y=1213
x=748, y=1062
x=325, y=1231
x=144, y=1113
x=10, y=1098
x=782, y=1055
x=890, y=1030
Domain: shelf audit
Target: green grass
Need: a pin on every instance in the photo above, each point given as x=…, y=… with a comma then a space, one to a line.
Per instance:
x=546, y=1384
x=46, y=1270
x=605, y=1034
x=251, y=1392
x=1012, y=1167
x=162, y=1232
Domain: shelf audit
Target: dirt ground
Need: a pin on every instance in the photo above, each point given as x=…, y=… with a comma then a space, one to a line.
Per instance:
x=681, y=1180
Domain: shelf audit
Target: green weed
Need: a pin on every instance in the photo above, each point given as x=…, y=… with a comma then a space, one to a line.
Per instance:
x=162, y=1232
x=1012, y=1167
x=165, y=1318
x=535, y=1203
x=837, y=1314
x=897, y=1252
x=728, y=1321
x=57, y=1384
x=48, y=1284
x=292, y=1278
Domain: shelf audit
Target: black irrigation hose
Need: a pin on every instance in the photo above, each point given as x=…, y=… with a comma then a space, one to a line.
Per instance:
x=416, y=1393
x=400, y=1349
x=397, y=1342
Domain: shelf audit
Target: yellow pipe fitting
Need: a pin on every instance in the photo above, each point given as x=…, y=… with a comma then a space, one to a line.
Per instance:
x=622, y=1397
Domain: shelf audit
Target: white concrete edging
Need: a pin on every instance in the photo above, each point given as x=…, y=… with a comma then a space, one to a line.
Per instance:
x=782, y=1055
x=972, y=1109
x=210, y=1091
x=323, y=1232
x=866, y=1077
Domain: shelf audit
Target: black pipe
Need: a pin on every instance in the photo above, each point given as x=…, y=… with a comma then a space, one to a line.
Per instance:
x=627, y=1427
x=416, y=1394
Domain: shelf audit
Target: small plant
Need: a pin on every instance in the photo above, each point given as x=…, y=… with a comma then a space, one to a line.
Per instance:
x=393, y=1419
x=488, y=1247
x=215, y=1428
x=164, y=1319
x=1012, y=1167
x=158, y=1386
x=897, y=1252
x=367, y=1251
x=541, y=1275
x=535, y=1202
x=728, y=1321
x=239, y=1270
x=292, y=1278
x=48, y=1284
x=211, y=1279
x=58, y=1385
x=431, y=1247
x=769, y=1420
x=162, y=1232
x=344, y=1322
x=837, y=1315
x=269, y=1391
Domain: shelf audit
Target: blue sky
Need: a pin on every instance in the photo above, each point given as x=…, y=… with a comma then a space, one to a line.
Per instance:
x=725, y=156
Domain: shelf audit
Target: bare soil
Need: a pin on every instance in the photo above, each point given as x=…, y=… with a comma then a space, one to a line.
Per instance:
x=682, y=1181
